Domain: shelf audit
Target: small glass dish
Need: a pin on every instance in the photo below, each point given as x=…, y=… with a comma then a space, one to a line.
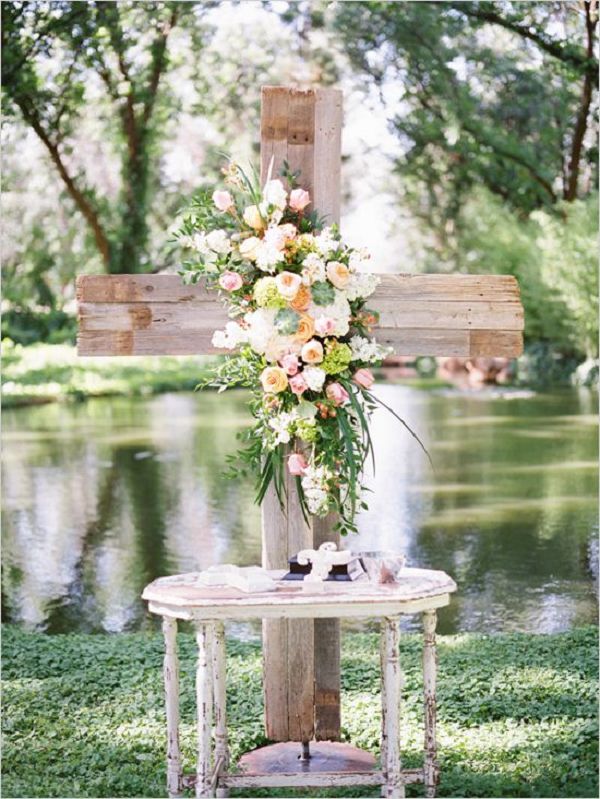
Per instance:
x=383, y=566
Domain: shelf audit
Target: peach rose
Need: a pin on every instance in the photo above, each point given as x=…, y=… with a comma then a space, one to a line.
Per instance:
x=274, y=380
x=288, y=284
x=297, y=464
x=324, y=325
x=302, y=299
x=338, y=274
x=253, y=218
x=249, y=248
x=230, y=281
x=223, y=200
x=337, y=393
x=299, y=199
x=298, y=384
x=290, y=363
x=306, y=329
x=364, y=378
x=312, y=352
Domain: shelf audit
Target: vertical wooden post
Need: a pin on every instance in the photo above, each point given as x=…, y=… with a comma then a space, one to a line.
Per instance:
x=301, y=657
x=171, y=680
x=429, y=680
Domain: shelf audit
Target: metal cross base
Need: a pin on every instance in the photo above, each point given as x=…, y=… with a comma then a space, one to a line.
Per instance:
x=330, y=765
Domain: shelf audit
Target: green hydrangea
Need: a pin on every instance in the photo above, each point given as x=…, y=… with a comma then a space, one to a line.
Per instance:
x=337, y=358
x=266, y=294
x=306, y=430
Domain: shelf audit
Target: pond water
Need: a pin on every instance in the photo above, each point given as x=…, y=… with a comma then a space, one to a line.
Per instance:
x=101, y=497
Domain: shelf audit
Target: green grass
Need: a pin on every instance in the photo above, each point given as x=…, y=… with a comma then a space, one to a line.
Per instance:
x=50, y=372
x=83, y=715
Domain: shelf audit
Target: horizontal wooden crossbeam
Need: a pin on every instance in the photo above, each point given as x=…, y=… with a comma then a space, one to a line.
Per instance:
x=447, y=315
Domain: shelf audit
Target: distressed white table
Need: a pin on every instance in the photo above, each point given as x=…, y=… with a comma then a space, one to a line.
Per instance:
x=178, y=597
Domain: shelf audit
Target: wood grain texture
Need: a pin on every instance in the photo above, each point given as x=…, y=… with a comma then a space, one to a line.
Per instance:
x=302, y=127
x=447, y=315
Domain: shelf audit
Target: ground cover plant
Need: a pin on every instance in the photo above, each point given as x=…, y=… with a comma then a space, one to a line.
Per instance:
x=83, y=715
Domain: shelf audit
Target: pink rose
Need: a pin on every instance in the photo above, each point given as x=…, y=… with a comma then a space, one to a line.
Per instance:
x=230, y=281
x=364, y=378
x=223, y=200
x=299, y=199
x=290, y=364
x=337, y=393
x=324, y=325
x=297, y=464
x=298, y=384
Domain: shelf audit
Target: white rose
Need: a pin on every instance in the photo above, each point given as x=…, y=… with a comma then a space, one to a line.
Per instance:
x=315, y=377
x=218, y=241
x=275, y=194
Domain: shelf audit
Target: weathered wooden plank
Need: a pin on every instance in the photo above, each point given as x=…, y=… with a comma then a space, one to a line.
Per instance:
x=403, y=287
x=171, y=318
x=458, y=343
x=313, y=779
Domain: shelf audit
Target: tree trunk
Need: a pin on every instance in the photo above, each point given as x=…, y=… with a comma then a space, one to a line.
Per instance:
x=570, y=192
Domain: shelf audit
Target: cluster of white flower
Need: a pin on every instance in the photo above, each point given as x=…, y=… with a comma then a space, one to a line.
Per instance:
x=315, y=484
x=367, y=349
x=361, y=284
x=315, y=377
x=281, y=426
x=230, y=338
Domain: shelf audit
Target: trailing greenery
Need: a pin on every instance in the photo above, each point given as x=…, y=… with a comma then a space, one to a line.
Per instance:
x=47, y=372
x=83, y=715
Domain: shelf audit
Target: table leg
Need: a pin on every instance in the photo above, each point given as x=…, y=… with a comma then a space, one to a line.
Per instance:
x=171, y=680
x=391, y=698
x=220, y=697
x=429, y=680
x=204, y=708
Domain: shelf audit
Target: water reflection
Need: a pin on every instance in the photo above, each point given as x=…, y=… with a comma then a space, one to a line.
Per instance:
x=102, y=497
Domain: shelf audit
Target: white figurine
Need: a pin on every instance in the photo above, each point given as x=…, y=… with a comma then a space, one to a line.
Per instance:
x=323, y=560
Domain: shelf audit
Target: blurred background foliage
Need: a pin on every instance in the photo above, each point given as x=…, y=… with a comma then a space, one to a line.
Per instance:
x=470, y=141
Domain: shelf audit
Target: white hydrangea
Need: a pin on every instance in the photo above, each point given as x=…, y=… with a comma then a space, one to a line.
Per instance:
x=260, y=328
x=230, y=338
x=268, y=256
x=313, y=269
x=326, y=241
x=275, y=194
x=218, y=241
x=281, y=426
x=361, y=284
x=358, y=260
x=366, y=349
x=315, y=377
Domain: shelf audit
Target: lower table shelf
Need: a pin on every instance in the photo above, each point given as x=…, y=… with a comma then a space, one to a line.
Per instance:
x=330, y=765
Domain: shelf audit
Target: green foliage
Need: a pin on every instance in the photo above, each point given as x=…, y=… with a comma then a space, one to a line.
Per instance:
x=84, y=716
x=553, y=256
x=50, y=53
x=492, y=94
x=45, y=372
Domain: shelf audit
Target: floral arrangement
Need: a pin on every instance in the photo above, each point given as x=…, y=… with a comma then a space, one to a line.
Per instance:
x=300, y=336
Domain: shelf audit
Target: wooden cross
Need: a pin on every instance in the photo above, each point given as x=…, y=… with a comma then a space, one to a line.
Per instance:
x=452, y=315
